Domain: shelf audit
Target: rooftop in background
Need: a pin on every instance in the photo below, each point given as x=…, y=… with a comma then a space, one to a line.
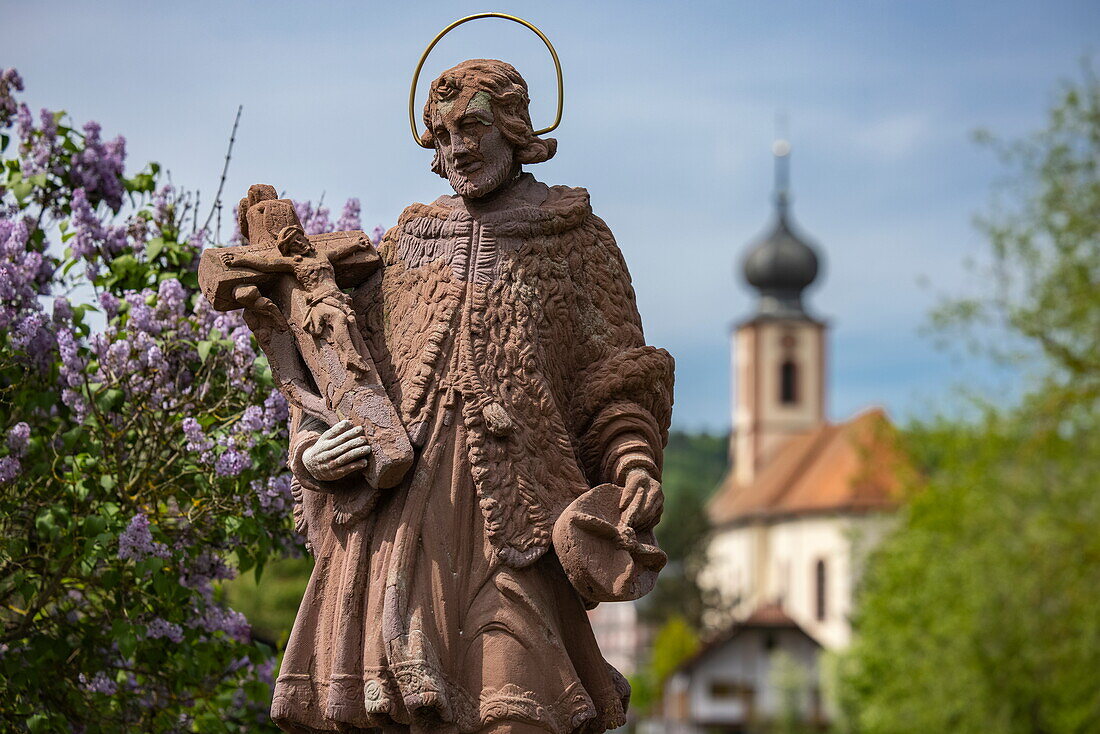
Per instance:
x=852, y=467
x=765, y=617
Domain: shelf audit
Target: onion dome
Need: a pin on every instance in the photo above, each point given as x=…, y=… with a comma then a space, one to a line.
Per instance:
x=782, y=264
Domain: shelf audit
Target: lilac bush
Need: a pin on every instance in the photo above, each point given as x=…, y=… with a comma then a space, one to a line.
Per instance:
x=142, y=447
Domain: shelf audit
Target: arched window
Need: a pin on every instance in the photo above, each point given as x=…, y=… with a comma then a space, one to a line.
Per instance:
x=819, y=590
x=788, y=382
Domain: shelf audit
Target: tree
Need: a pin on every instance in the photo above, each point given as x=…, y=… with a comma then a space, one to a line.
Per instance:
x=142, y=446
x=693, y=466
x=674, y=643
x=980, y=614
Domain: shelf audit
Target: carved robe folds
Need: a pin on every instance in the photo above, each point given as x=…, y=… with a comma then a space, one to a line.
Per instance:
x=508, y=338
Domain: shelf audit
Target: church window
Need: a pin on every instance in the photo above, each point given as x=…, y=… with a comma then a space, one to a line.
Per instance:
x=788, y=382
x=819, y=590
x=728, y=689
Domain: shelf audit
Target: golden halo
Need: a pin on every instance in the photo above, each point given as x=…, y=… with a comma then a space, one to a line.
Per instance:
x=456, y=24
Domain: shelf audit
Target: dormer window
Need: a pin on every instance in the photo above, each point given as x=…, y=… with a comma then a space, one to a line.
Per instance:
x=788, y=382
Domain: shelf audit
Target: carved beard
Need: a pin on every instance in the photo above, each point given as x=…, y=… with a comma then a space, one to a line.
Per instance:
x=497, y=167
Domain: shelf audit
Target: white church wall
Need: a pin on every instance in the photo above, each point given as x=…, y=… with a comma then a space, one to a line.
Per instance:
x=755, y=564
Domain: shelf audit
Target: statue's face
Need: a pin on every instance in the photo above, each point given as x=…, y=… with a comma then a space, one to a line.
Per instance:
x=299, y=244
x=303, y=246
x=476, y=157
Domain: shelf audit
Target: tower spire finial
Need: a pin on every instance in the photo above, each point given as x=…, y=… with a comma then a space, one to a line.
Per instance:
x=781, y=265
x=781, y=149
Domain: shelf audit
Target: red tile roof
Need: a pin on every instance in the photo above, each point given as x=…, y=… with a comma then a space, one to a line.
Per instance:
x=853, y=466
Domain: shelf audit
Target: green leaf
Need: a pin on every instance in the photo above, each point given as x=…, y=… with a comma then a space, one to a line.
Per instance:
x=22, y=190
x=154, y=247
x=127, y=642
x=110, y=400
x=38, y=723
x=44, y=524
x=204, y=348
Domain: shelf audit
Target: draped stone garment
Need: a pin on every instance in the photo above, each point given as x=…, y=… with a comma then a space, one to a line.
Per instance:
x=507, y=335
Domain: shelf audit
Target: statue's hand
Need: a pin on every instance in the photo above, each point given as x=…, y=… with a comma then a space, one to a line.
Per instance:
x=642, y=500
x=227, y=259
x=339, y=451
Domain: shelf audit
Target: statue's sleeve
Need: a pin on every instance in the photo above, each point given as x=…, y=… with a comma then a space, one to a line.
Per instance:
x=622, y=393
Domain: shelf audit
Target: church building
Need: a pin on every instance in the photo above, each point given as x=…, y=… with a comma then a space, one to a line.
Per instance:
x=803, y=502
x=804, y=498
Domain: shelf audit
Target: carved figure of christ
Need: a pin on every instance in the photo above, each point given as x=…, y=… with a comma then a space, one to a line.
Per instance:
x=290, y=287
x=328, y=309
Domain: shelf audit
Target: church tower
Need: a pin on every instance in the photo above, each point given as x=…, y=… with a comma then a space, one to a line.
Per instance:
x=805, y=499
x=778, y=352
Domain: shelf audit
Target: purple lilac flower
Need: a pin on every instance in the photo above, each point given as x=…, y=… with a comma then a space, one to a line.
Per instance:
x=86, y=225
x=349, y=218
x=253, y=419
x=163, y=200
x=19, y=437
x=39, y=145
x=136, y=541
x=62, y=310
x=100, y=683
x=265, y=671
x=99, y=167
x=171, y=298
x=33, y=337
x=10, y=468
x=92, y=238
x=24, y=121
x=24, y=274
x=196, y=439
x=48, y=145
x=109, y=303
x=197, y=241
x=72, y=366
x=376, y=234
x=276, y=411
x=232, y=462
x=9, y=81
x=200, y=573
x=142, y=317
x=274, y=494
x=314, y=220
x=236, y=238
x=220, y=619
x=159, y=628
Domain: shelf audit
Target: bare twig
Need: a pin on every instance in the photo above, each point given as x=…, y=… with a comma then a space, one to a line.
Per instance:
x=216, y=208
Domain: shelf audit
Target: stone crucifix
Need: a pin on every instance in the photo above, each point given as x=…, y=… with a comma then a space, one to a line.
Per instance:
x=292, y=294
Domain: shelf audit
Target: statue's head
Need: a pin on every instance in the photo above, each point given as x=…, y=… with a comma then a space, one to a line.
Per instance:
x=480, y=127
x=293, y=241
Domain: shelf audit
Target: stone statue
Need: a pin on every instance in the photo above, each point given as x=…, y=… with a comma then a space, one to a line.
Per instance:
x=489, y=356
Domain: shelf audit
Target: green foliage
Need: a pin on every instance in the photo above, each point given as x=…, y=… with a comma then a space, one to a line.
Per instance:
x=674, y=643
x=980, y=614
x=791, y=683
x=271, y=601
x=694, y=464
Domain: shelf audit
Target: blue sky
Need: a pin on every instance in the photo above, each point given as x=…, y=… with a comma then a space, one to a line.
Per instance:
x=670, y=113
